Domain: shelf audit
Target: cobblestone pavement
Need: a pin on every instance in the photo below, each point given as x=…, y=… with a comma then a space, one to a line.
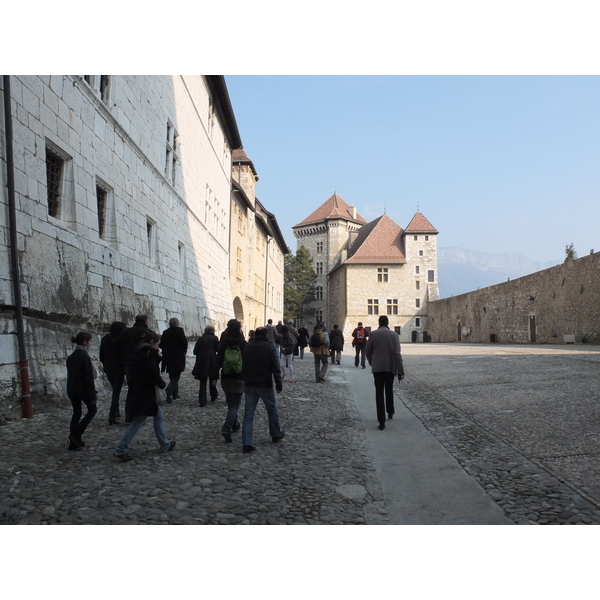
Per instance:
x=320, y=473
x=522, y=420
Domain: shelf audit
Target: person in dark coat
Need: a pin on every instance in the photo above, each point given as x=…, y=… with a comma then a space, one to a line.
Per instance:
x=173, y=344
x=80, y=388
x=206, y=368
x=336, y=344
x=385, y=358
x=302, y=339
x=110, y=357
x=146, y=377
x=232, y=382
x=129, y=340
x=260, y=367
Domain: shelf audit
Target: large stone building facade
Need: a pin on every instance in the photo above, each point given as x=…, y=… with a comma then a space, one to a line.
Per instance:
x=123, y=194
x=368, y=269
x=257, y=251
x=553, y=306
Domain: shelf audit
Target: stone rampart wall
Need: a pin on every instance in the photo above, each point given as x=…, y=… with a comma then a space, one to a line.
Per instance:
x=543, y=307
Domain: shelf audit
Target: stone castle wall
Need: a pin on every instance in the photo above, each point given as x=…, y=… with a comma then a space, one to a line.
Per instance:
x=543, y=307
x=164, y=250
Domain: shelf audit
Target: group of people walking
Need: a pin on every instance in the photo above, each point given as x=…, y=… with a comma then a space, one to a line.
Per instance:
x=247, y=368
x=133, y=354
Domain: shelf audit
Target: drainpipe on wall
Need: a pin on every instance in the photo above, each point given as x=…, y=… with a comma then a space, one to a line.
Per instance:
x=16, y=272
x=269, y=238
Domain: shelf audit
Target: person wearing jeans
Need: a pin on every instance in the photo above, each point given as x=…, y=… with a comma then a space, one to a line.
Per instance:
x=260, y=368
x=253, y=394
x=136, y=424
x=146, y=377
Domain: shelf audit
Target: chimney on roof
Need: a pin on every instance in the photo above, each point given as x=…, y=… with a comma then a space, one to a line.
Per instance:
x=352, y=211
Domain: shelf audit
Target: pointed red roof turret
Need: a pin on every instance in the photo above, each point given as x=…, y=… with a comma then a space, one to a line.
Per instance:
x=334, y=208
x=419, y=224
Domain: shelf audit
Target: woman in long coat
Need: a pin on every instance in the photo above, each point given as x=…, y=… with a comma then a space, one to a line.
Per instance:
x=146, y=377
x=206, y=368
x=302, y=339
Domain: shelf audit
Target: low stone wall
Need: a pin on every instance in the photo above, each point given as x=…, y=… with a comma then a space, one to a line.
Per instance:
x=543, y=307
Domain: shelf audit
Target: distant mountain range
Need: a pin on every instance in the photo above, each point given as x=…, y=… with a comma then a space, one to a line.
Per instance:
x=462, y=271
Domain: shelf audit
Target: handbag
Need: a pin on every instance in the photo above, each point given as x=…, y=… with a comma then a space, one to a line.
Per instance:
x=160, y=396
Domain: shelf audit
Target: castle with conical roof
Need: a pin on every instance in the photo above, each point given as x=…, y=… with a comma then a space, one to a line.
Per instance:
x=368, y=269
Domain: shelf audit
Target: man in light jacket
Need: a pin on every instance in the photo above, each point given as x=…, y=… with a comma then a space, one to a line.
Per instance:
x=383, y=354
x=319, y=346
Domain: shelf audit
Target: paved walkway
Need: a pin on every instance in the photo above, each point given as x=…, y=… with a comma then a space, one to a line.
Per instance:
x=463, y=458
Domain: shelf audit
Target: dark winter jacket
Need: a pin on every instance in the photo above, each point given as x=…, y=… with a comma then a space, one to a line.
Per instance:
x=302, y=337
x=205, y=351
x=336, y=340
x=261, y=365
x=287, y=343
x=80, y=376
x=146, y=375
x=110, y=356
x=129, y=340
x=173, y=344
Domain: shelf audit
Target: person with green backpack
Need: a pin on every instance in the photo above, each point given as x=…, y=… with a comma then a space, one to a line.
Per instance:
x=229, y=360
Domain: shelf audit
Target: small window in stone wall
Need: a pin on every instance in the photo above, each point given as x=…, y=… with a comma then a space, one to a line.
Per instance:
x=418, y=302
x=101, y=85
x=172, y=158
x=417, y=322
x=319, y=246
x=382, y=275
x=239, y=266
x=392, y=307
x=54, y=179
x=182, y=260
x=59, y=181
x=372, y=306
x=431, y=276
x=152, y=240
x=398, y=329
x=101, y=197
x=319, y=268
x=417, y=285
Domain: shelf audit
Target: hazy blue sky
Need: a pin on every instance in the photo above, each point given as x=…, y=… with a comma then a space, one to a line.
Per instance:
x=496, y=163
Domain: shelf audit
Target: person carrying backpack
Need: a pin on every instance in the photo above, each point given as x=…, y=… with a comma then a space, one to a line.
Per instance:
x=319, y=346
x=229, y=360
x=359, y=341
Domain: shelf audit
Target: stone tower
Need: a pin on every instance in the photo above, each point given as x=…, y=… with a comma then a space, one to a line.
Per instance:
x=324, y=233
